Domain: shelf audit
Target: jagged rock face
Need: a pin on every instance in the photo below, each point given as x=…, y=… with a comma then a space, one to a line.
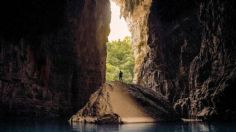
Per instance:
x=187, y=53
x=174, y=40
x=212, y=74
x=190, y=56
x=169, y=41
x=52, y=55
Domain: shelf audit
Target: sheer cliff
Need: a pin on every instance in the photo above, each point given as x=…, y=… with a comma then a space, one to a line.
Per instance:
x=52, y=55
x=212, y=72
x=187, y=54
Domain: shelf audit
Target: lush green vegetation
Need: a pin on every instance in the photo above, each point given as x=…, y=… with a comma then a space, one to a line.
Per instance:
x=120, y=58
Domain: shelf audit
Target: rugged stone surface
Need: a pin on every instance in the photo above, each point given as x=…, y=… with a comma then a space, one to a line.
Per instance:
x=189, y=54
x=117, y=102
x=52, y=55
x=174, y=40
x=212, y=74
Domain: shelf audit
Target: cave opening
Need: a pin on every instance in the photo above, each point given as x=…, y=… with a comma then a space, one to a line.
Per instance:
x=119, y=48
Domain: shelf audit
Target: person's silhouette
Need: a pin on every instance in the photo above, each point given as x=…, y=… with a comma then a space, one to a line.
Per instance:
x=120, y=76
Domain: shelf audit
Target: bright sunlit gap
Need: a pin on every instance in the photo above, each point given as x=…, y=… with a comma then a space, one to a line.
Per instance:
x=118, y=26
x=120, y=60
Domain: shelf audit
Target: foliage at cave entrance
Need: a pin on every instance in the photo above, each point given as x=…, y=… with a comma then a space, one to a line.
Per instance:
x=120, y=57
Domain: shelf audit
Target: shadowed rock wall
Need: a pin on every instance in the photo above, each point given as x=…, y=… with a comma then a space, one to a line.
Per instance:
x=52, y=55
x=212, y=73
x=187, y=53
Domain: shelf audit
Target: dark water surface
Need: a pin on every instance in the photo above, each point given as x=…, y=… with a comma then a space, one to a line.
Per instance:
x=149, y=127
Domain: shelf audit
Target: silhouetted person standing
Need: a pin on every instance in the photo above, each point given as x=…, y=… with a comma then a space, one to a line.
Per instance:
x=120, y=76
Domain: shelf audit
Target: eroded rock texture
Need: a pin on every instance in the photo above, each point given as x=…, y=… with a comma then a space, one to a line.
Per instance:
x=174, y=40
x=212, y=74
x=52, y=55
x=190, y=55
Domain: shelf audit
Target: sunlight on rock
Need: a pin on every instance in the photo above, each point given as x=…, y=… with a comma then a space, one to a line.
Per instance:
x=117, y=102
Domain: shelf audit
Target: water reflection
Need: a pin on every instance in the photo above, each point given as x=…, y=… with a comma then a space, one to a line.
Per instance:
x=52, y=126
x=31, y=126
x=81, y=127
x=160, y=127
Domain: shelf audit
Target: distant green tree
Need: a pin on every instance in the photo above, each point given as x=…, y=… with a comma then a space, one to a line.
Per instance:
x=120, y=58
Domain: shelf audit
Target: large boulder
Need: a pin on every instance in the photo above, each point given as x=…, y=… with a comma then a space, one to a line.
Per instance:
x=117, y=102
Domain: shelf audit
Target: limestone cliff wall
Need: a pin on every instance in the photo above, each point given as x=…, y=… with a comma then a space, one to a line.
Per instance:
x=174, y=40
x=52, y=55
x=166, y=37
x=212, y=73
x=185, y=50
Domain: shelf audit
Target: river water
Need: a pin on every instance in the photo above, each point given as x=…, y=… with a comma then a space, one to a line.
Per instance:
x=141, y=127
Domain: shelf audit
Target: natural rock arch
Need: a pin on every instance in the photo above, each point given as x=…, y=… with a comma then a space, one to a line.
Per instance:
x=52, y=54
